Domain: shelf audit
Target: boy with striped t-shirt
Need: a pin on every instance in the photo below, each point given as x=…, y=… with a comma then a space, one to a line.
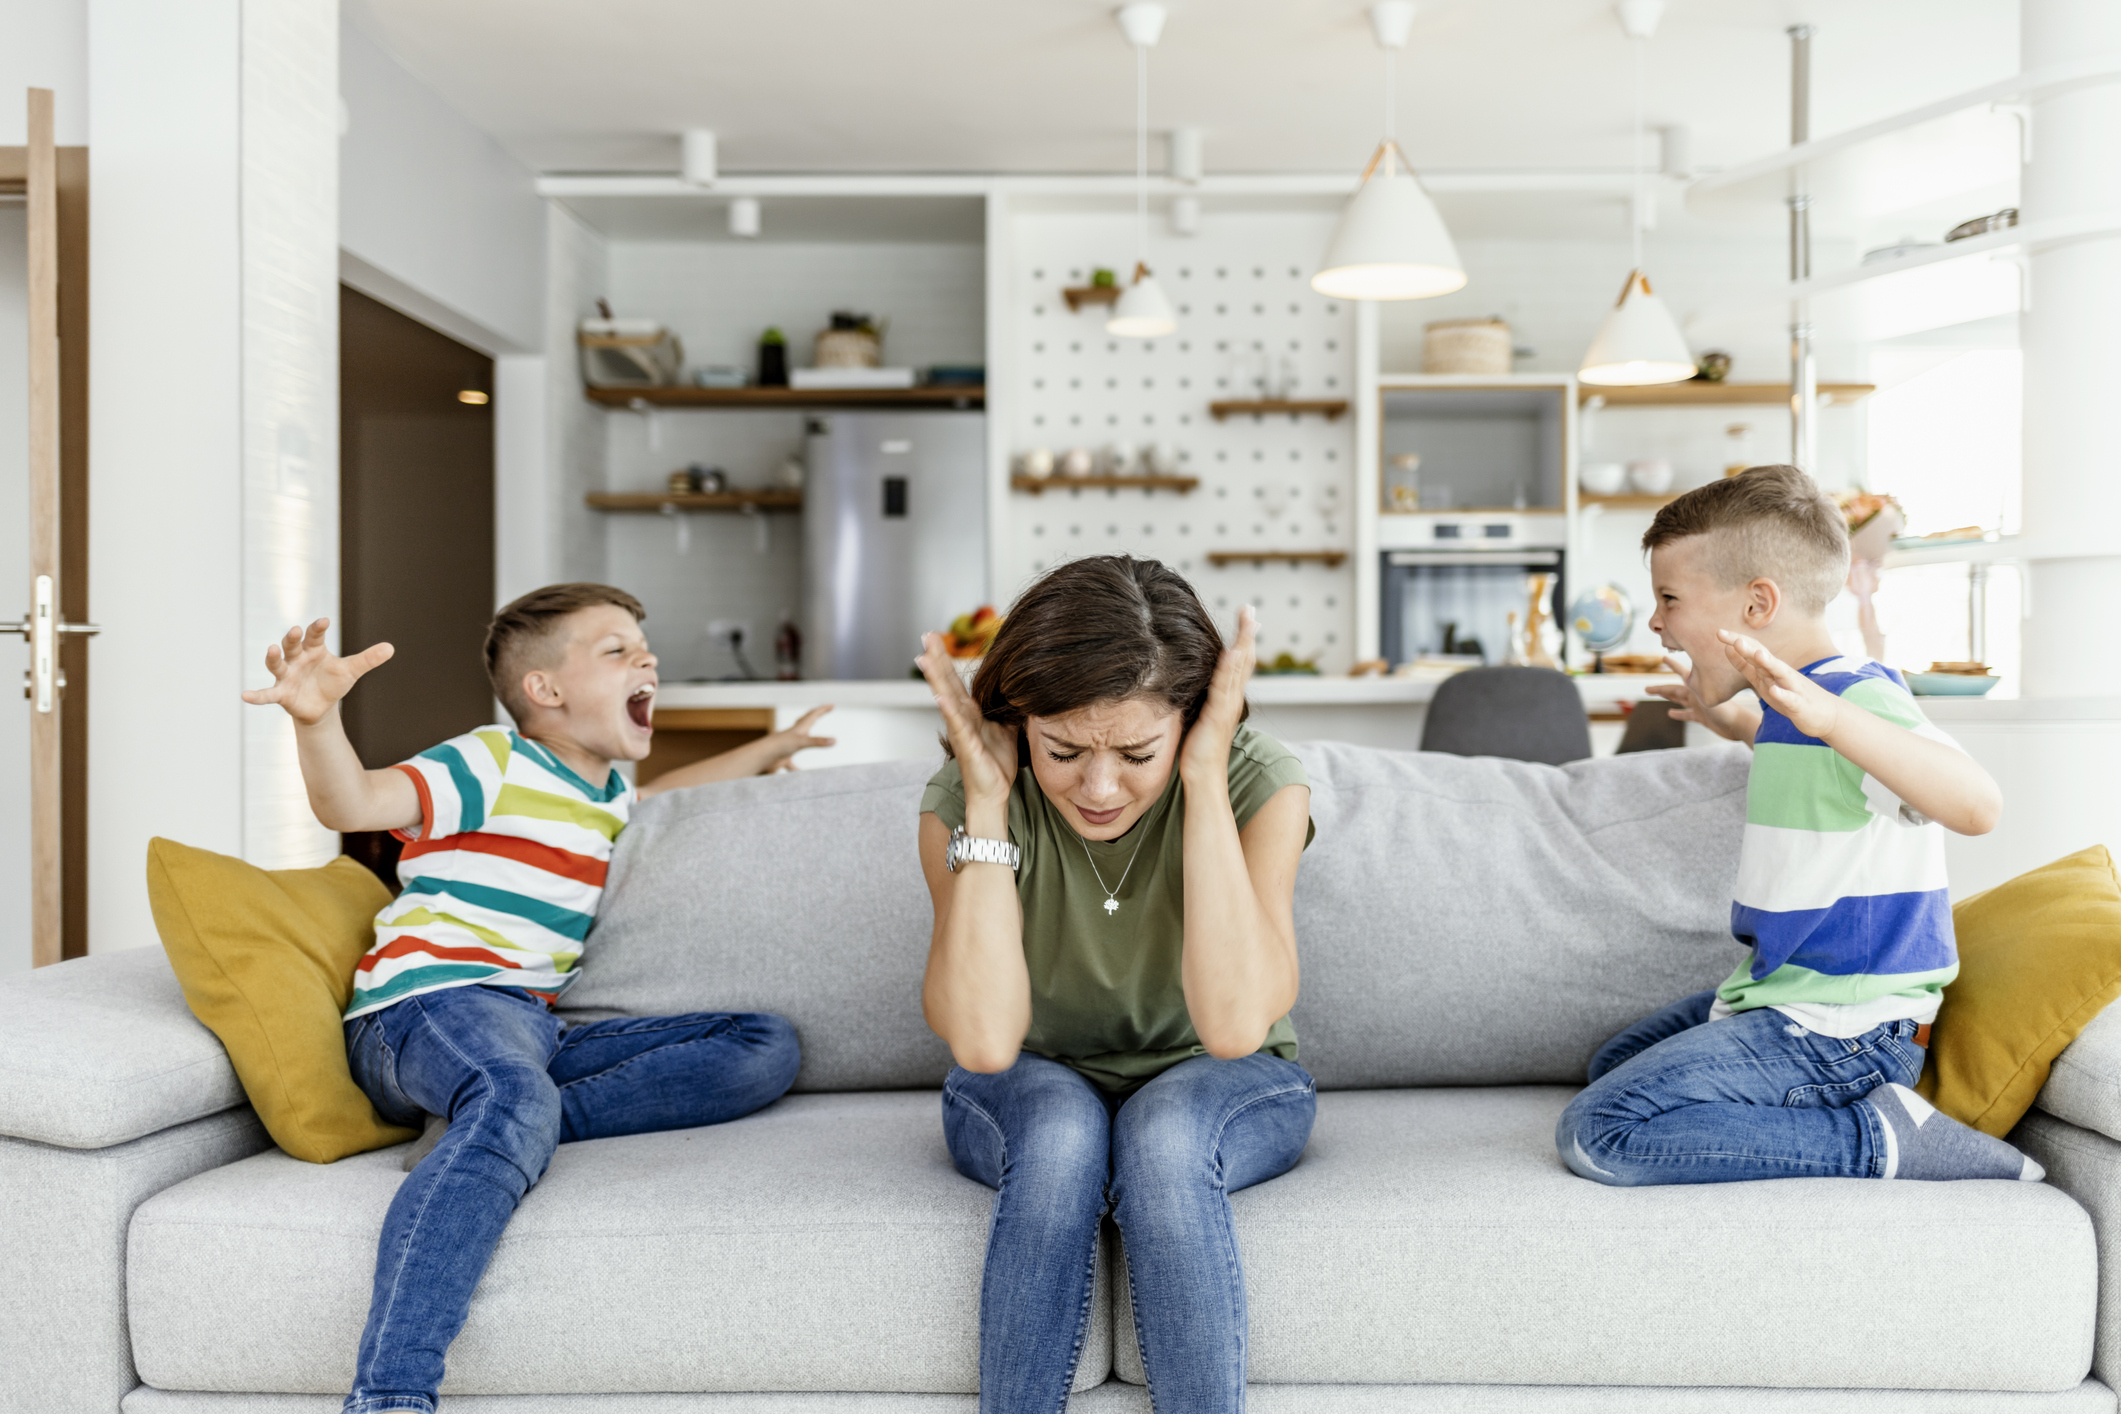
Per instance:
x=1802, y=1062
x=508, y=836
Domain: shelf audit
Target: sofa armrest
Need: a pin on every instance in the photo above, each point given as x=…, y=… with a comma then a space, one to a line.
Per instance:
x=102, y=1050
x=2084, y=1084
x=2087, y=1166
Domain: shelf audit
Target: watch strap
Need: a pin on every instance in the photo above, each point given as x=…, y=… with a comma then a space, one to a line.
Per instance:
x=972, y=849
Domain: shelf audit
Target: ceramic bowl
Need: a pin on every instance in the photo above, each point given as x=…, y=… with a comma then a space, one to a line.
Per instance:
x=1076, y=461
x=1651, y=476
x=1602, y=478
x=1038, y=463
x=1949, y=684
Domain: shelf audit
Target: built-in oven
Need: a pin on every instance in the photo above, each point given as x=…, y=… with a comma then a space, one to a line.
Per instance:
x=1451, y=585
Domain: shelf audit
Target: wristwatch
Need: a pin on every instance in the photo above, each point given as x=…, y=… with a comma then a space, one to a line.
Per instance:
x=971, y=849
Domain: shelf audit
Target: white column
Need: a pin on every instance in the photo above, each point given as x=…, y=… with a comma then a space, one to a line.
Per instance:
x=2072, y=362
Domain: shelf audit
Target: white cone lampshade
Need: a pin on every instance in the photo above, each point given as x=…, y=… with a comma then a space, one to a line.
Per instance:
x=1391, y=242
x=1638, y=344
x=1144, y=310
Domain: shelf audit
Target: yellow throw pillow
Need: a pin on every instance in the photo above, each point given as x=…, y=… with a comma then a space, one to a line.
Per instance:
x=2039, y=957
x=266, y=959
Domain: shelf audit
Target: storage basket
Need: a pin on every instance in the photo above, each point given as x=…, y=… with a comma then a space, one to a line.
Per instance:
x=629, y=353
x=1466, y=346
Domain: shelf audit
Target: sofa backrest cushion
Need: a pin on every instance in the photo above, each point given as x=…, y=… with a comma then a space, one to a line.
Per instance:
x=1462, y=920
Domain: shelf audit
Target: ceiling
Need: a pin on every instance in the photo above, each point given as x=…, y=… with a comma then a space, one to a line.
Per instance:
x=1046, y=86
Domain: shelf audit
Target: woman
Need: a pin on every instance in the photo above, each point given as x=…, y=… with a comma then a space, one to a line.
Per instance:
x=1112, y=855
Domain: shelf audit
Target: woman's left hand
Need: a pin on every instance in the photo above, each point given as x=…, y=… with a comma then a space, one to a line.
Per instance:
x=1207, y=748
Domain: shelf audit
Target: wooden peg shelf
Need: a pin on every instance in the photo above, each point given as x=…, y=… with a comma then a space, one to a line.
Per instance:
x=1331, y=559
x=741, y=501
x=1079, y=295
x=1328, y=408
x=1039, y=486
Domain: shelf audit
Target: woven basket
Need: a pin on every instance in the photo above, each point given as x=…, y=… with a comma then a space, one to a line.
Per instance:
x=848, y=348
x=1466, y=346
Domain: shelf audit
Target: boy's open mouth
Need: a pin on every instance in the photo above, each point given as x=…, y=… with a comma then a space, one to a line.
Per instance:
x=641, y=707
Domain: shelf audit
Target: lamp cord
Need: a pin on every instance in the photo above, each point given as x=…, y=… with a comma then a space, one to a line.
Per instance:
x=1635, y=159
x=1141, y=153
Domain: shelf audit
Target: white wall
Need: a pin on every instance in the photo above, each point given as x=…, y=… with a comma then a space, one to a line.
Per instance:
x=572, y=542
x=44, y=44
x=436, y=218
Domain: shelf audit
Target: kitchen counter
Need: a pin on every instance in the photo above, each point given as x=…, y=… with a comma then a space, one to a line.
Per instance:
x=883, y=721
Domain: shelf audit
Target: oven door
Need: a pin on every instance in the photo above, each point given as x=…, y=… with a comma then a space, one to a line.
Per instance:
x=1457, y=601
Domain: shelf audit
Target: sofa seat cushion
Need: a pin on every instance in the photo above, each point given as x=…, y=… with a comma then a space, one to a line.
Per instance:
x=1432, y=1236
x=824, y=1243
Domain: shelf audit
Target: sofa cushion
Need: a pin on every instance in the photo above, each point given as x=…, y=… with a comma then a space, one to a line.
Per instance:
x=798, y=893
x=1476, y=921
x=102, y=1050
x=824, y=1243
x=1462, y=920
x=1433, y=1236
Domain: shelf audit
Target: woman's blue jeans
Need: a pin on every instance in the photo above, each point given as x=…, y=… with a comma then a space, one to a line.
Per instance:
x=1677, y=1098
x=515, y=1083
x=1058, y=1152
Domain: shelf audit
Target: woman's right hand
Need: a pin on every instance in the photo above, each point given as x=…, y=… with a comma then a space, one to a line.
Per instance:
x=985, y=751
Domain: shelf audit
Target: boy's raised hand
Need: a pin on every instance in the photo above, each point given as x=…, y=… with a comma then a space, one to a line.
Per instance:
x=1736, y=720
x=308, y=678
x=1811, y=708
x=782, y=745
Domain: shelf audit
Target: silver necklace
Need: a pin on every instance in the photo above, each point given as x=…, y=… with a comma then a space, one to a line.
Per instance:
x=1112, y=894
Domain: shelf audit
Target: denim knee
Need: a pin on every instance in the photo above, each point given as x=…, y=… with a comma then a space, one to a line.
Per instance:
x=774, y=1054
x=512, y=1112
x=1578, y=1134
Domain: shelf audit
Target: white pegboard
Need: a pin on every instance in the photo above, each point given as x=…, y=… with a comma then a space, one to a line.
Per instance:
x=1242, y=289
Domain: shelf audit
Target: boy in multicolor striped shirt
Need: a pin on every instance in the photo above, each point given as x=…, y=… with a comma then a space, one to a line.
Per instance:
x=1802, y=1062
x=508, y=836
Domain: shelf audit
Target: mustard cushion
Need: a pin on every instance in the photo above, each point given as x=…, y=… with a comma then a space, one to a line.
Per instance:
x=2039, y=957
x=266, y=959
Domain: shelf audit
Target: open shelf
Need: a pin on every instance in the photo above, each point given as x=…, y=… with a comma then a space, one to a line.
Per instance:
x=1079, y=295
x=1038, y=486
x=1705, y=394
x=1331, y=559
x=1328, y=408
x=937, y=396
x=1626, y=500
x=761, y=500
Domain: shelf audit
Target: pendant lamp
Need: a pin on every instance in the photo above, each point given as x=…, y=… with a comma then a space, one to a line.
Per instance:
x=1639, y=343
x=1391, y=242
x=1144, y=310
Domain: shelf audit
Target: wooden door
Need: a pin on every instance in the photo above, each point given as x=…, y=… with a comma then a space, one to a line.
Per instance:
x=54, y=186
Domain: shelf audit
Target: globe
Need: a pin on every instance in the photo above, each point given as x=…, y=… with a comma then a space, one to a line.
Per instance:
x=1602, y=618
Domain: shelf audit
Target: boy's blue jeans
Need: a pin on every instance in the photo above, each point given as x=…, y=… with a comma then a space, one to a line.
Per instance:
x=516, y=1083
x=1676, y=1098
x=1056, y=1149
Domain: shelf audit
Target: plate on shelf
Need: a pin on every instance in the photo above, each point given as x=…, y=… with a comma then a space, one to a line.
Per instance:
x=1949, y=684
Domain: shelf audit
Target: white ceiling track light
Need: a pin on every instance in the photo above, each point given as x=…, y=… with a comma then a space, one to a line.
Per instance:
x=744, y=218
x=700, y=162
x=1391, y=242
x=1143, y=310
x=1639, y=343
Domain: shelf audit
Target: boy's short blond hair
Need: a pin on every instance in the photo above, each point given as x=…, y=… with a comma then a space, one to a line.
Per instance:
x=521, y=636
x=1767, y=522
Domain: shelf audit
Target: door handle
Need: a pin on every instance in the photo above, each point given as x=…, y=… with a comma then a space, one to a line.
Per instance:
x=43, y=627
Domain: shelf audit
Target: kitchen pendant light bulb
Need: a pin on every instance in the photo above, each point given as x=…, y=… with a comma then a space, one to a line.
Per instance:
x=1391, y=242
x=1638, y=344
x=744, y=217
x=1143, y=311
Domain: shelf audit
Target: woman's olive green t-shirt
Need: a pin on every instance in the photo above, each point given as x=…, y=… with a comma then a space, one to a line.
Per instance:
x=1106, y=995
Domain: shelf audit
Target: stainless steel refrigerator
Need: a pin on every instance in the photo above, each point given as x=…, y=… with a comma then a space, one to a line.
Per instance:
x=894, y=536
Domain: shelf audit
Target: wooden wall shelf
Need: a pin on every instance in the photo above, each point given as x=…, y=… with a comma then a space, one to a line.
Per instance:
x=1331, y=559
x=1079, y=295
x=938, y=396
x=1038, y=486
x=1720, y=394
x=1627, y=500
x=655, y=501
x=1328, y=408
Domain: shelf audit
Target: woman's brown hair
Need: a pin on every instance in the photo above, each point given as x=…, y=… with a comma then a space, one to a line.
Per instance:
x=1100, y=629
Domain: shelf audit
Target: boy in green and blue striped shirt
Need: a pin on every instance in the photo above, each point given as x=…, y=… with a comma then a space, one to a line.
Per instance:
x=1802, y=1062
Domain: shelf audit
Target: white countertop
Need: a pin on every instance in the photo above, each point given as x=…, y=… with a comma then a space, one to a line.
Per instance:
x=1599, y=690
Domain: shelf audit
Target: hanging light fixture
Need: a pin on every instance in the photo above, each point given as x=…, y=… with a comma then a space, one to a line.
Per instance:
x=1391, y=242
x=1144, y=310
x=1639, y=343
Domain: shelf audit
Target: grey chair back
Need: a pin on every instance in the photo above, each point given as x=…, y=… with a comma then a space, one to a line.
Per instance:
x=1526, y=714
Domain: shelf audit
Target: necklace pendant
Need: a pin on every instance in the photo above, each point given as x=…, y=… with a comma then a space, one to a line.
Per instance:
x=1111, y=905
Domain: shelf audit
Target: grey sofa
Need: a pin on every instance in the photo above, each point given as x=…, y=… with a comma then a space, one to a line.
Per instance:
x=1471, y=930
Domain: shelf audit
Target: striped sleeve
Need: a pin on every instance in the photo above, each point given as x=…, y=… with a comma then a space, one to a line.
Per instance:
x=459, y=783
x=1890, y=702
